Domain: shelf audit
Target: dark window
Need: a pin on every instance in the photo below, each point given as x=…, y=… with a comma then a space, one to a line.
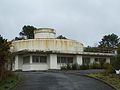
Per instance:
x=26, y=59
x=43, y=59
x=70, y=60
x=35, y=59
x=58, y=59
x=86, y=61
x=65, y=60
x=96, y=59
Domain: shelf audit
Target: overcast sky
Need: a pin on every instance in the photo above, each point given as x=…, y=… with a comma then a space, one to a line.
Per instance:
x=84, y=20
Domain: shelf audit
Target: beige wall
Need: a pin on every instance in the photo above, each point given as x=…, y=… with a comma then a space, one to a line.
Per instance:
x=55, y=45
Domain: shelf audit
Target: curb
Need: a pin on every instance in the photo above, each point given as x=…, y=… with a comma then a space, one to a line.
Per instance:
x=95, y=79
x=101, y=81
x=88, y=77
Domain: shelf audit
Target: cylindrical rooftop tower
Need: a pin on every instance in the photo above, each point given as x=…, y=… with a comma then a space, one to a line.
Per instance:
x=44, y=33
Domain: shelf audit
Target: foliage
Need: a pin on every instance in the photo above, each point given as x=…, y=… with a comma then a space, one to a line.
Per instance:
x=63, y=68
x=109, y=41
x=108, y=67
x=112, y=79
x=95, y=66
x=97, y=49
x=91, y=49
x=75, y=66
x=116, y=60
x=4, y=57
x=61, y=37
x=84, y=67
x=10, y=81
x=106, y=45
x=69, y=67
x=27, y=31
x=19, y=38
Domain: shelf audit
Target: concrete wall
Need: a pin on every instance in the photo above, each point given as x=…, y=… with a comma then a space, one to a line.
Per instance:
x=18, y=63
x=78, y=59
x=44, y=33
x=54, y=45
x=26, y=67
x=29, y=67
x=51, y=62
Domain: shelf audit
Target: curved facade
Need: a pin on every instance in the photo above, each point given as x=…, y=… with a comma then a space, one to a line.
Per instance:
x=44, y=33
x=54, y=45
x=46, y=52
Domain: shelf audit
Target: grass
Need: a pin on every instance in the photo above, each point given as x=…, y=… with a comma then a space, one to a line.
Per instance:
x=9, y=82
x=112, y=79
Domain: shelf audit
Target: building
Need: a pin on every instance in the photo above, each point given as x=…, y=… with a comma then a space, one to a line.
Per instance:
x=45, y=52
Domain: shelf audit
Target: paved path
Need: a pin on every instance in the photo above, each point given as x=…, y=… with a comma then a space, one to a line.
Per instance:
x=59, y=81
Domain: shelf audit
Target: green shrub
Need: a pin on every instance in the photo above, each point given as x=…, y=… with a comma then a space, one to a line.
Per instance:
x=69, y=67
x=75, y=66
x=109, y=69
x=105, y=66
x=63, y=68
x=95, y=66
x=84, y=67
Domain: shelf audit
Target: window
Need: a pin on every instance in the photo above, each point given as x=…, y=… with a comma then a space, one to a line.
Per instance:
x=65, y=60
x=39, y=59
x=35, y=59
x=70, y=60
x=58, y=59
x=26, y=60
x=86, y=61
x=96, y=59
x=43, y=59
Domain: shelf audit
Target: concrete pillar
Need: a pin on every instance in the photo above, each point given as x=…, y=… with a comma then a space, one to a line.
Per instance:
x=78, y=59
x=92, y=60
x=30, y=59
x=108, y=60
x=53, y=61
x=16, y=63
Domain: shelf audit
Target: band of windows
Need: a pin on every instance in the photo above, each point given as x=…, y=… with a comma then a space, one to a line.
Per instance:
x=35, y=59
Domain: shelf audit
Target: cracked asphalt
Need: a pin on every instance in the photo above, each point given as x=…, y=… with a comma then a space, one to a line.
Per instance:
x=59, y=81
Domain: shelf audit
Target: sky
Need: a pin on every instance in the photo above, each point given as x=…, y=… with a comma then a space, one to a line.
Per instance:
x=84, y=20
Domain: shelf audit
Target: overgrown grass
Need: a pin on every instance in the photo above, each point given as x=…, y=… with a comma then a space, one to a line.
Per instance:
x=9, y=82
x=112, y=79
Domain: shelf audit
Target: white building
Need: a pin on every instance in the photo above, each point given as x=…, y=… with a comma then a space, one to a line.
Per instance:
x=46, y=52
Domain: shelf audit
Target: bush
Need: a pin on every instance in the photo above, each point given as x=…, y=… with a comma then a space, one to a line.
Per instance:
x=69, y=67
x=109, y=69
x=105, y=66
x=95, y=66
x=63, y=68
x=84, y=67
x=116, y=62
x=75, y=66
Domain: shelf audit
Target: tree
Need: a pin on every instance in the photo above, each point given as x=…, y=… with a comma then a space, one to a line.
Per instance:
x=109, y=41
x=61, y=37
x=27, y=31
x=116, y=59
x=19, y=38
x=91, y=49
x=4, y=56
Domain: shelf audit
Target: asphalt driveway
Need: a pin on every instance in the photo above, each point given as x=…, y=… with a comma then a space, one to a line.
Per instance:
x=59, y=81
